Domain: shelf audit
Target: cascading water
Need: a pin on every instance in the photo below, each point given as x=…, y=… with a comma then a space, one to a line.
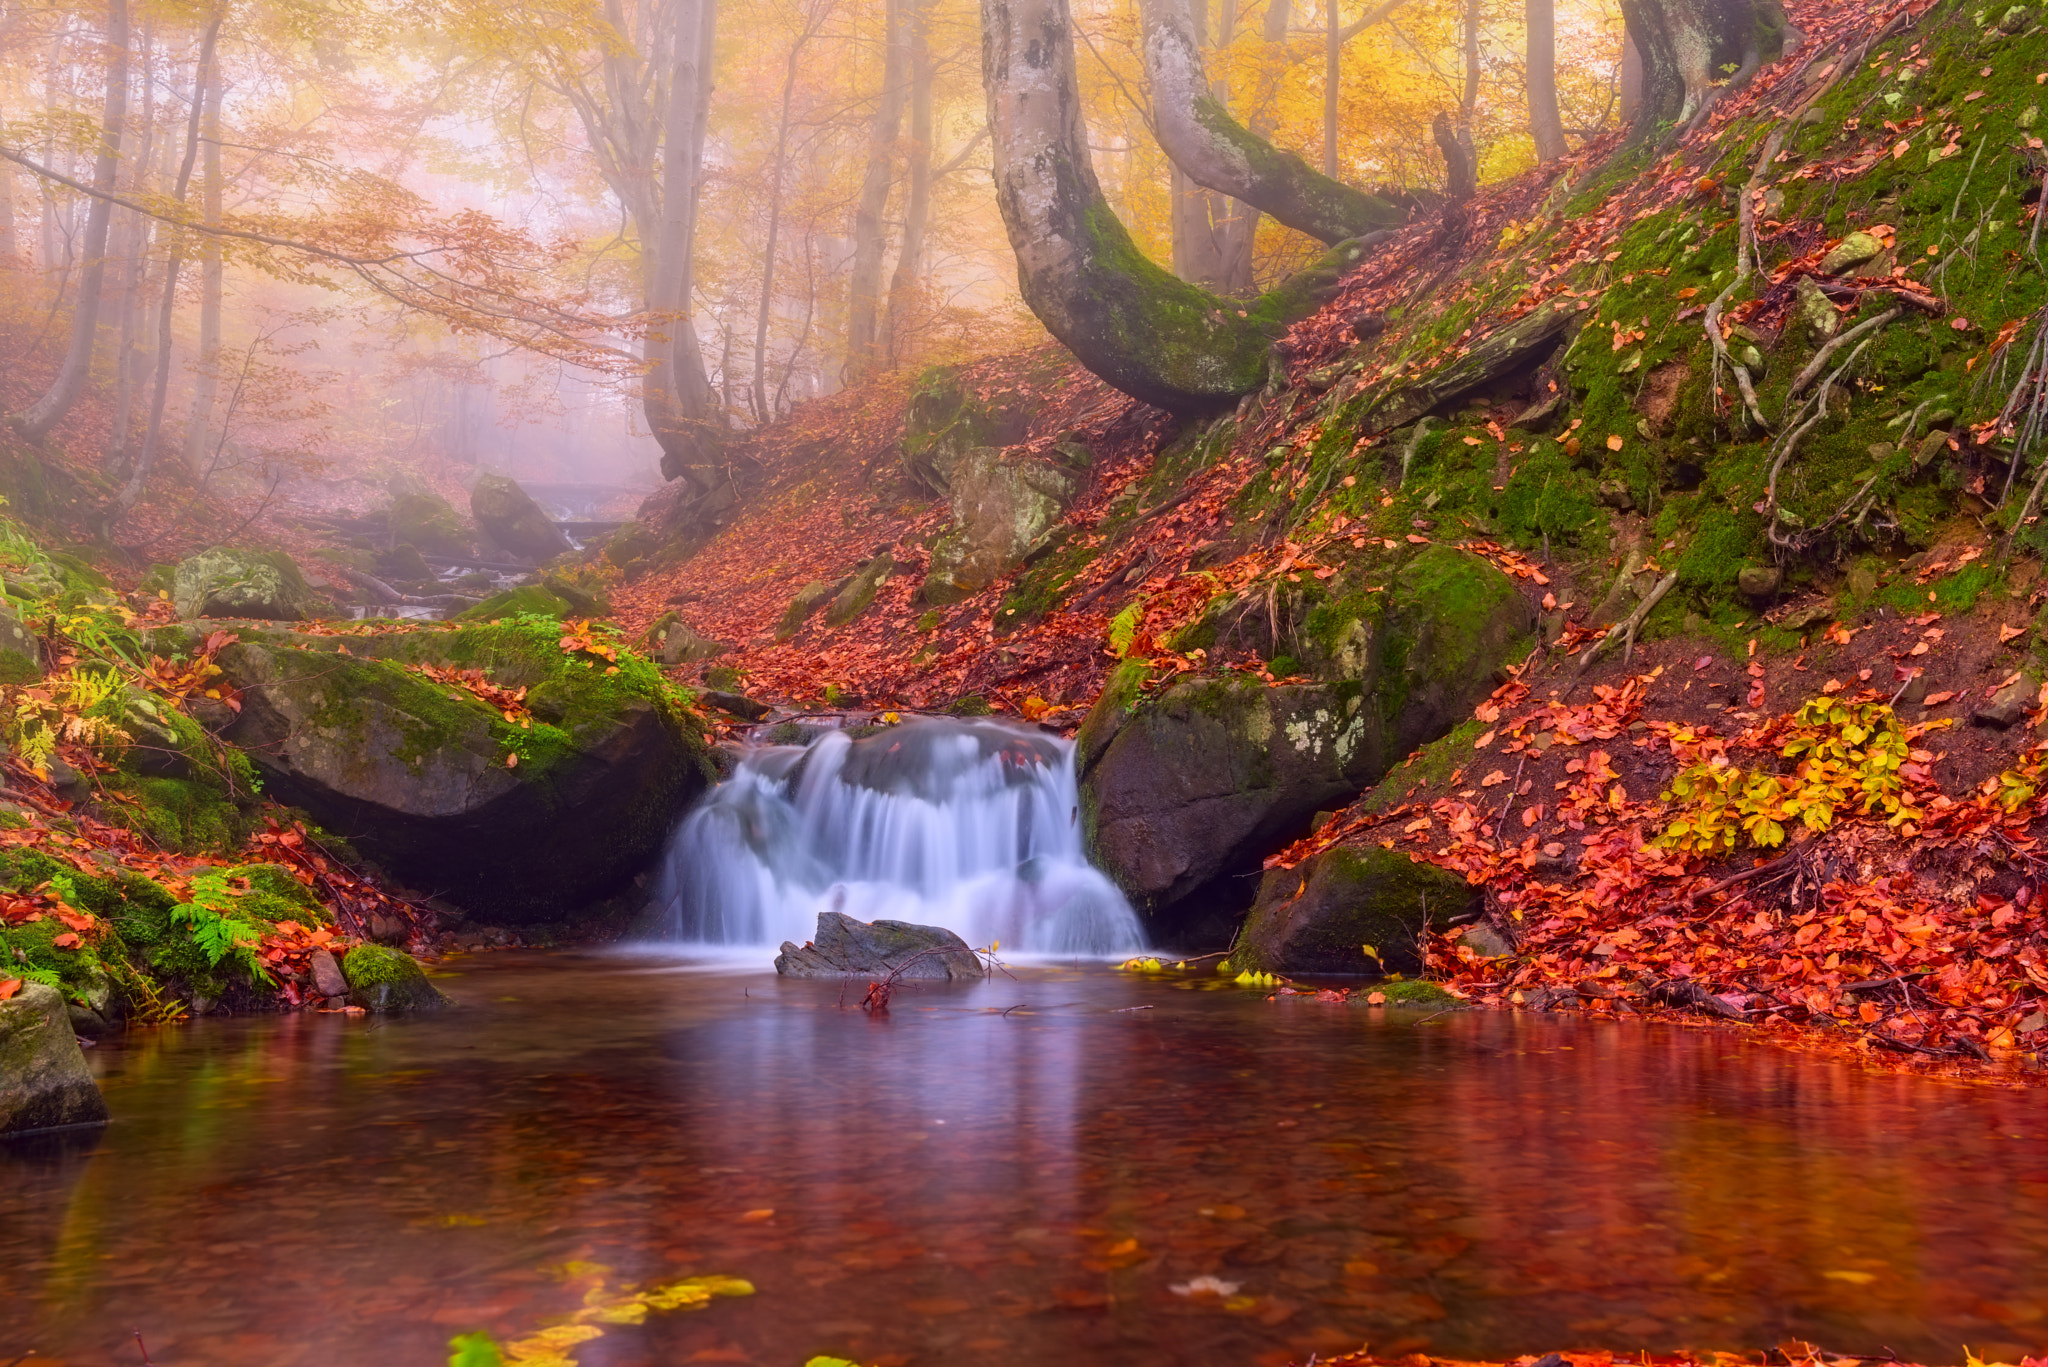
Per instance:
x=974, y=826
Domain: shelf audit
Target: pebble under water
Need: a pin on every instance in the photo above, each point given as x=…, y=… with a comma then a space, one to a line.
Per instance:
x=1018, y=1171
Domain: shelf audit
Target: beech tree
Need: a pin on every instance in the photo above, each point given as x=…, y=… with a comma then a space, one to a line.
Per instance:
x=1683, y=45
x=35, y=421
x=1546, y=125
x=1206, y=142
x=1152, y=335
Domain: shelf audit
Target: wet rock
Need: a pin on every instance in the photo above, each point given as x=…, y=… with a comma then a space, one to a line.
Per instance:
x=507, y=514
x=1851, y=252
x=416, y=773
x=845, y=947
x=1185, y=793
x=221, y=582
x=1915, y=691
x=327, y=976
x=1759, y=581
x=388, y=981
x=1320, y=917
x=1005, y=507
x=402, y=565
x=671, y=641
x=737, y=705
x=2008, y=706
x=44, y=1083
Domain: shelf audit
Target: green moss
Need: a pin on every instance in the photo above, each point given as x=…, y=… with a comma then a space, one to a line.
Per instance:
x=1411, y=992
x=526, y=599
x=187, y=816
x=388, y=980
x=1428, y=770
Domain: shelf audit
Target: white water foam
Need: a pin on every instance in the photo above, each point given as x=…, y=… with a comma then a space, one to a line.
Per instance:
x=974, y=826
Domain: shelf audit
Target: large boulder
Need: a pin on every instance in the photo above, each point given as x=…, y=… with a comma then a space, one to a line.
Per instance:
x=506, y=514
x=1184, y=794
x=945, y=419
x=1349, y=911
x=1006, y=504
x=427, y=522
x=44, y=1083
x=221, y=582
x=514, y=820
x=846, y=947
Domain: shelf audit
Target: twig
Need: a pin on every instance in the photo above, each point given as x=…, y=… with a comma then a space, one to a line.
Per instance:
x=1745, y=231
x=1627, y=630
x=1726, y=883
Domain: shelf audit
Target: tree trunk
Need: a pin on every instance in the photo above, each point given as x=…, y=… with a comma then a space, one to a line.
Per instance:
x=1682, y=45
x=199, y=424
x=7, y=242
x=1546, y=125
x=1333, y=55
x=130, y=248
x=1468, y=102
x=917, y=200
x=796, y=50
x=1216, y=151
x=1630, y=78
x=38, y=418
x=870, y=233
x=131, y=493
x=1154, y=337
x=675, y=393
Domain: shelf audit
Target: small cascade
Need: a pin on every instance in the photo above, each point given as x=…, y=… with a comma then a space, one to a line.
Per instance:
x=974, y=826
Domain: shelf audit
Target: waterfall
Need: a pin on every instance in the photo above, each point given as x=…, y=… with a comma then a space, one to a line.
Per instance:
x=974, y=826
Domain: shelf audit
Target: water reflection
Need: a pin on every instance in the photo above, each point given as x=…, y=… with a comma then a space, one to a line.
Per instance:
x=954, y=1184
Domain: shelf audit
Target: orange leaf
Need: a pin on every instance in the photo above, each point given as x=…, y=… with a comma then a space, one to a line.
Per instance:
x=8, y=987
x=1418, y=540
x=2007, y=633
x=67, y=941
x=1937, y=699
x=512, y=760
x=1614, y=443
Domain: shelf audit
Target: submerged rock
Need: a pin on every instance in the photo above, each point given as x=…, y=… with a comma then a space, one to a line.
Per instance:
x=230, y=583
x=846, y=947
x=1320, y=917
x=388, y=980
x=44, y=1083
x=507, y=514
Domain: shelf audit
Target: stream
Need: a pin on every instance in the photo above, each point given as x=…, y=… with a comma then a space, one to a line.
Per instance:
x=1017, y=1171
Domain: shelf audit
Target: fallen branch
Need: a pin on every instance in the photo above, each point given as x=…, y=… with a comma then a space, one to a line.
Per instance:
x=1627, y=630
x=1745, y=233
x=1821, y=358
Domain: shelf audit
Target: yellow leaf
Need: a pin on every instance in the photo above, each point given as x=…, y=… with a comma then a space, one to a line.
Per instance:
x=1614, y=443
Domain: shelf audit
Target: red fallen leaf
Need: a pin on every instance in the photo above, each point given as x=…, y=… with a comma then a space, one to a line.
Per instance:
x=2006, y=633
x=1417, y=540
x=77, y=920
x=1937, y=699
x=67, y=941
x=1702, y=662
x=8, y=987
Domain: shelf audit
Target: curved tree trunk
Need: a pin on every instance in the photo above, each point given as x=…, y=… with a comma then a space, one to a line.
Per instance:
x=1156, y=338
x=35, y=421
x=1546, y=125
x=1199, y=135
x=870, y=234
x=1682, y=45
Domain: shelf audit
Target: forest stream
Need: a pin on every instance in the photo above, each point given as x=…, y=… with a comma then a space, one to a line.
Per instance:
x=1061, y=1164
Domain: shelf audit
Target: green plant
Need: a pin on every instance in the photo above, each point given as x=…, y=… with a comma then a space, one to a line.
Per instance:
x=220, y=934
x=1849, y=756
x=1123, y=629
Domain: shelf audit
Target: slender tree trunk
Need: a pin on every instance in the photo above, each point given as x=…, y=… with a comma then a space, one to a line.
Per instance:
x=38, y=418
x=1468, y=103
x=132, y=253
x=1630, y=78
x=131, y=493
x=199, y=425
x=1151, y=335
x=1216, y=151
x=796, y=49
x=870, y=232
x=676, y=394
x=1192, y=232
x=8, y=245
x=1546, y=125
x=1333, y=53
x=917, y=199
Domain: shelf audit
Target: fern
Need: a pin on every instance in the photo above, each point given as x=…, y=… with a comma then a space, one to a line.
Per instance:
x=1123, y=630
x=218, y=933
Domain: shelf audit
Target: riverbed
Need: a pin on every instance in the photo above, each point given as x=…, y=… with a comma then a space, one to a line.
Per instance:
x=1069, y=1165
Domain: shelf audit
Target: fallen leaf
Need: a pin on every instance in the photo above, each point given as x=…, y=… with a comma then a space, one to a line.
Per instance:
x=2006, y=633
x=67, y=941
x=1417, y=540
x=1615, y=443
x=1497, y=776
x=1937, y=699
x=8, y=987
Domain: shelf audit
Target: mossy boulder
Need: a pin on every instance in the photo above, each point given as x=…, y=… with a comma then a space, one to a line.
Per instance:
x=1186, y=793
x=859, y=593
x=429, y=523
x=807, y=601
x=508, y=516
x=386, y=980
x=514, y=822
x=945, y=420
x=222, y=582
x=670, y=640
x=44, y=1083
x=1320, y=917
x=21, y=659
x=529, y=599
x=1006, y=505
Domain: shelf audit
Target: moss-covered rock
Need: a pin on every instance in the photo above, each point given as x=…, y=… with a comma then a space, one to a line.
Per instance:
x=508, y=516
x=1320, y=917
x=429, y=523
x=944, y=421
x=528, y=599
x=854, y=599
x=44, y=1083
x=516, y=822
x=233, y=583
x=21, y=658
x=807, y=601
x=1006, y=505
x=1186, y=793
x=386, y=980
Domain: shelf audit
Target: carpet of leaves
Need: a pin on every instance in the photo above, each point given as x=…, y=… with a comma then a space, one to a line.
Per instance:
x=1785, y=1355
